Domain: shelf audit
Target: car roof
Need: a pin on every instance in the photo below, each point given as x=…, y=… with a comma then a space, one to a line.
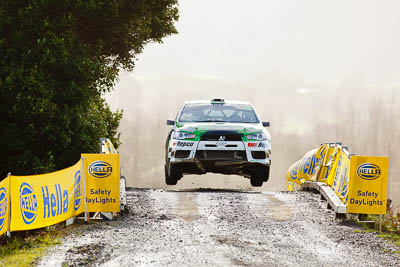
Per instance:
x=212, y=100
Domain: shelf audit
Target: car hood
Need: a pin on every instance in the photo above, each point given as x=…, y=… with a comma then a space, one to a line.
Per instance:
x=199, y=128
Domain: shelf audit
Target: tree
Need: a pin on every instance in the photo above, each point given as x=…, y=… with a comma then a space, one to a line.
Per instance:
x=57, y=59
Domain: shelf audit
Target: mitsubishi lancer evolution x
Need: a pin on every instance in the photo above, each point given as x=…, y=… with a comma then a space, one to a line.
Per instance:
x=218, y=136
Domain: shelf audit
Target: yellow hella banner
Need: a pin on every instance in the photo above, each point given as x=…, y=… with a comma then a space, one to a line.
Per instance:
x=328, y=162
x=102, y=176
x=306, y=169
x=4, y=205
x=340, y=176
x=46, y=199
x=368, y=185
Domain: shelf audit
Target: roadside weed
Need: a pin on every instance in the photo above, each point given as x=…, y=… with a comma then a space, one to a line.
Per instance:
x=26, y=248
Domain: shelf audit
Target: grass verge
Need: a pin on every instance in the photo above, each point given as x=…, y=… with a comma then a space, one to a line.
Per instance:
x=390, y=227
x=395, y=238
x=26, y=248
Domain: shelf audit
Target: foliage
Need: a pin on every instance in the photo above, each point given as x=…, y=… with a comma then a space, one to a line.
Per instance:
x=58, y=58
x=391, y=223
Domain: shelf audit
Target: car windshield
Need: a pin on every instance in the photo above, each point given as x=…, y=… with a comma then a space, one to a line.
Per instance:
x=218, y=113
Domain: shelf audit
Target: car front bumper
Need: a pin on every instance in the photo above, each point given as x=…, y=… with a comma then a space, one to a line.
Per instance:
x=231, y=157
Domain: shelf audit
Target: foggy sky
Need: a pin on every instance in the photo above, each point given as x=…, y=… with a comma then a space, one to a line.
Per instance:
x=314, y=39
x=296, y=61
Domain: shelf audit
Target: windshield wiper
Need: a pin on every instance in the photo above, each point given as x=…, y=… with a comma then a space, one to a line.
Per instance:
x=210, y=121
x=243, y=122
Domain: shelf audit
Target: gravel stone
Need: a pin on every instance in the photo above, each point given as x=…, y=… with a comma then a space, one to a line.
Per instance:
x=223, y=228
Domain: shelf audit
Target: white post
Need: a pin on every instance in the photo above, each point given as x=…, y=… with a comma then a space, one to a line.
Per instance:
x=9, y=207
x=84, y=187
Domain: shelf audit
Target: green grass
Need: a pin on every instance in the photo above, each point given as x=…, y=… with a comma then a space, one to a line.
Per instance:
x=390, y=227
x=26, y=248
x=392, y=237
x=369, y=230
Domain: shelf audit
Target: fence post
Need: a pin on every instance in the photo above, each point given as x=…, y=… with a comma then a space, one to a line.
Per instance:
x=9, y=207
x=84, y=187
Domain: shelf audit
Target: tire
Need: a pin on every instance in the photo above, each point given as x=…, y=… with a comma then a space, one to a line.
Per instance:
x=256, y=181
x=266, y=174
x=172, y=175
x=260, y=175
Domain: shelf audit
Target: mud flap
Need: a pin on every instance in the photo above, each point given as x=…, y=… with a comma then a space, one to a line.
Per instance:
x=200, y=165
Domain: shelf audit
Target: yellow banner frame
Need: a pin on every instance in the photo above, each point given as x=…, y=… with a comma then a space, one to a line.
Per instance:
x=5, y=206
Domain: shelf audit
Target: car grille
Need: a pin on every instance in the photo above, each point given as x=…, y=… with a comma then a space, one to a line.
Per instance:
x=218, y=138
x=221, y=135
x=220, y=155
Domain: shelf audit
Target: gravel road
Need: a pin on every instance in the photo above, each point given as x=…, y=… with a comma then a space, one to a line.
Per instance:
x=223, y=228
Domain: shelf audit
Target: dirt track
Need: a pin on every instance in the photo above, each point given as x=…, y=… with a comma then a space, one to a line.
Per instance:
x=209, y=228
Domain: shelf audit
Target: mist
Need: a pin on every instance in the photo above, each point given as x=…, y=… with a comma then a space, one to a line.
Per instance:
x=319, y=71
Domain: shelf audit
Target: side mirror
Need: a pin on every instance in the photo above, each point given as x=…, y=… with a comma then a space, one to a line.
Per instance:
x=170, y=122
x=265, y=123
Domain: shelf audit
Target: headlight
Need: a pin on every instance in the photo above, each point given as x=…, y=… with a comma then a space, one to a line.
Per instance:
x=183, y=136
x=258, y=137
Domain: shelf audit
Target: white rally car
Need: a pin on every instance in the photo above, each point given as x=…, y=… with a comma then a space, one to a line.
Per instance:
x=218, y=136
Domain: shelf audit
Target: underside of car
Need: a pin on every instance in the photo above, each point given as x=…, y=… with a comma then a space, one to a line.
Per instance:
x=242, y=168
x=257, y=173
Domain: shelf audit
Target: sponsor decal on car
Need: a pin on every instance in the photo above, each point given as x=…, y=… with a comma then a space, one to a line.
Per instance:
x=252, y=130
x=221, y=144
x=258, y=160
x=252, y=144
x=262, y=144
x=185, y=144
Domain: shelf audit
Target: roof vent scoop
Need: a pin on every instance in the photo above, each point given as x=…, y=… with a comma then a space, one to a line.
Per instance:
x=217, y=100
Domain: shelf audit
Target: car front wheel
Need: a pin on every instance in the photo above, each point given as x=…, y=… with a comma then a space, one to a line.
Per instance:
x=260, y=175
x=172, y=175
x=256, y=181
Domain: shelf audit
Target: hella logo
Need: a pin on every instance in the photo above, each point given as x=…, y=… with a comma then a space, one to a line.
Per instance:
x=293, y=172
x=28, y=203
x=369, y=171
x=100, y=169
x=3, y=206
x=77, y=190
